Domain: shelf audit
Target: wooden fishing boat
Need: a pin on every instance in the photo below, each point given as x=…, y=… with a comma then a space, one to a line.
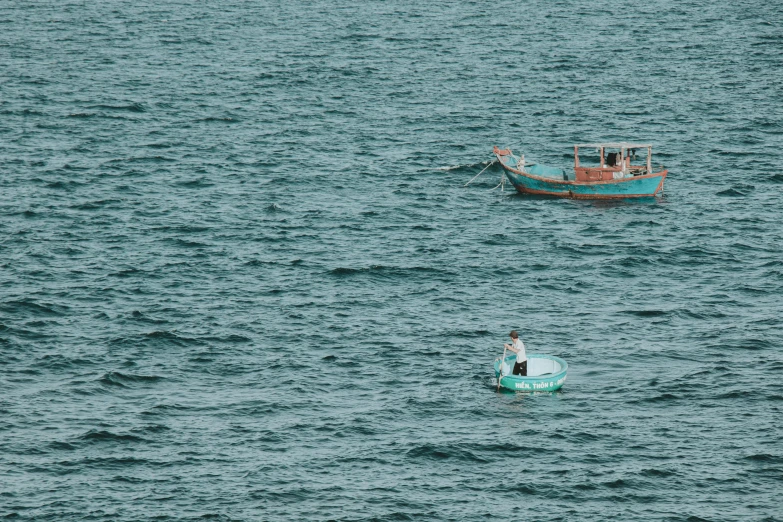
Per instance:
x=544, y=373
x=614, y=176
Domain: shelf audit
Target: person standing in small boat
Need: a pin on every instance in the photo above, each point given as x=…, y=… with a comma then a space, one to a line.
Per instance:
x=518, y=347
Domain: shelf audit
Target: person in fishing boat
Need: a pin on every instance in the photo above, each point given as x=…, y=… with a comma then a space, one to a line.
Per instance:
x=521, y=163
x=518, y=347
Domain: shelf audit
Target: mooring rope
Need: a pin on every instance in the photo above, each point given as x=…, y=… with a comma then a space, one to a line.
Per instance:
x=480, y=173
x=502, y=183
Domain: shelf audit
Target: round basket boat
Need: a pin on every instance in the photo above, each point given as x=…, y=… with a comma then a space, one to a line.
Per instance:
x=544, y=373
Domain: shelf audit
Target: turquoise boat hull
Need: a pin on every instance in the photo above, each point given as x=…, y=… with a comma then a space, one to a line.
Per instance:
x=545, y=373
x=549, y=181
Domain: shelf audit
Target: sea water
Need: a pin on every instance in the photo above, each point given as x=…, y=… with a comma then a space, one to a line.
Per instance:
x=242, y=278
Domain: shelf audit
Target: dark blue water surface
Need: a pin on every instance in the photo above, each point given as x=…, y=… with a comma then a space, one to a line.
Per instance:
x=241, y=277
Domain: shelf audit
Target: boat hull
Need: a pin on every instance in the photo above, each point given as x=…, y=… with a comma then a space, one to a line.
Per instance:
x=544, y=382
x=633, y=187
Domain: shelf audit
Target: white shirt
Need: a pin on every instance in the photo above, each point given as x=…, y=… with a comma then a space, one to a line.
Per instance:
x=519, y=345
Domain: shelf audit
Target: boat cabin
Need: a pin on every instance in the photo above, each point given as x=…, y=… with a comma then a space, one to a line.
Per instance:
x=615, y=161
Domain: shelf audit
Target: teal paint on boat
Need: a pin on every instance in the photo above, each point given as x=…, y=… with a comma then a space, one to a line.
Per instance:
x=614, y=177
x=543, y=170
x=627, y=187
x=545, y=373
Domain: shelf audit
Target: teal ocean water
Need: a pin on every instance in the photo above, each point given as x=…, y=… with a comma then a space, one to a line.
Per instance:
x=242, y=279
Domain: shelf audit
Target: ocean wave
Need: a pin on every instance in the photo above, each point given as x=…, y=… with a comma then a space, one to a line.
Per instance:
x=766, y=458
x=65, y=185
x=29, y=307
x=645, y=313
x=196, y=183
x=385, y=271
x=56, y=361
x=168, y=337
x=732, y=192
x=166, y=410
x=79, y=465
x=95, y=205
x=655, y=472
x=441, y=452
x=658, y=399
x=133, y=107
x=125, y=380
x=99, y=436
x=221, y=119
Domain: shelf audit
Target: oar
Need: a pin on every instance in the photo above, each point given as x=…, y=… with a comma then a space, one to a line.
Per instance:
x=500, y=368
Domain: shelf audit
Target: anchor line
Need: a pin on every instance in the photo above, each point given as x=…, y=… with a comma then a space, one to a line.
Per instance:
x=502, y=183
x=480, y=173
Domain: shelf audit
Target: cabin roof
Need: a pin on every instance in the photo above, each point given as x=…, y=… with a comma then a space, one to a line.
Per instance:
x=621, y=145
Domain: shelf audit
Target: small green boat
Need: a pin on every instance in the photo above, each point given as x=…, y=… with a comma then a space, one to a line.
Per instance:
x=544, y=373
